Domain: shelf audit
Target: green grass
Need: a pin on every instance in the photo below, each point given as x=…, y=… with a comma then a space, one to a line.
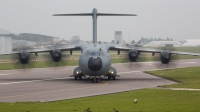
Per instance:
x=40, y=64
x=187, y=77
x=151, y=100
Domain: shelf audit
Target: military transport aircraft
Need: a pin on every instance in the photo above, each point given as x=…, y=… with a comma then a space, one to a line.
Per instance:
x=95, y=60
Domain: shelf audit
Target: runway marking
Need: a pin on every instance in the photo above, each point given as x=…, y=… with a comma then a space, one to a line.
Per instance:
x=48, y=92
x=7, y=74
x=33, y=81
x=183, y=89
x=169, y=68
x=7, y=83
x=191, y=62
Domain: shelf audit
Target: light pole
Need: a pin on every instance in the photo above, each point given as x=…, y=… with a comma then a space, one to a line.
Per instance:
x=128, y=38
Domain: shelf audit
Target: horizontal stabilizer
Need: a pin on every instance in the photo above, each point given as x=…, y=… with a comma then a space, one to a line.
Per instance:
x=79, y=14
x=109, y=14
x=98, y=14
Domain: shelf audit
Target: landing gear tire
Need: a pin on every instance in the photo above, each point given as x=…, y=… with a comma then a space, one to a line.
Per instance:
x=109, y=77
x=80, y=77
x=75, y=78
x=113, y=78
x=97, y=80
x=92, y=80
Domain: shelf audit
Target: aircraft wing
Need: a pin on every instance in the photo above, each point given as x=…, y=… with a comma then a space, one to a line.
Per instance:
x=153, y=51
x=48, y=49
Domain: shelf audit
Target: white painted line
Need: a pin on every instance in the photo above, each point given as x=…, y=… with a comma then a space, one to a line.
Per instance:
x=168, y=68
x=188, y=89
x=7, y=74
x=34, y=81
x=184, y=89
x=191, y=62
x=41, y=68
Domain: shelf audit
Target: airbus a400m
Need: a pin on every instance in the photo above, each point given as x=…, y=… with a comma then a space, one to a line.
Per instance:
x=95, y=60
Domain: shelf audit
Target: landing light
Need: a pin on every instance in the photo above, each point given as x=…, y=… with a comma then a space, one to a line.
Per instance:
x=112, y=72
x=77, y=72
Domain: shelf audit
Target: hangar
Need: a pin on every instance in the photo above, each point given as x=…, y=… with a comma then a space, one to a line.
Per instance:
x=163, y=43
x=191, y=42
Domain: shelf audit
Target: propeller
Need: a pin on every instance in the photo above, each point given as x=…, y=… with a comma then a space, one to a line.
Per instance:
x=131, y=59
x=22, y=60
x=26, y=60
x=55, y=58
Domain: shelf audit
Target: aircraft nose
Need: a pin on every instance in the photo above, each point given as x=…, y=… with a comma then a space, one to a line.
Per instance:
x=95, y=64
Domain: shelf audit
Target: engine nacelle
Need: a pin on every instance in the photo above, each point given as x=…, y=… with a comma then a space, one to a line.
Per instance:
x=24, y=57
x=165, y=57
x=56, y=55
x=133, y=55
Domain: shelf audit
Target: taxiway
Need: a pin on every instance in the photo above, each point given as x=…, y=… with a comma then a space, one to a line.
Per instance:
x=51, y=84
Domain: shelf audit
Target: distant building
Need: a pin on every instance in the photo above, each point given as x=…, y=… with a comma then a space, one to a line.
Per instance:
x=118, y=37
x=56, y=39
x=163, y=44
x=62, y=42
x=74, y=40
x=37, y=38
x=5, y=41
x=22, y=44
x=191, y=42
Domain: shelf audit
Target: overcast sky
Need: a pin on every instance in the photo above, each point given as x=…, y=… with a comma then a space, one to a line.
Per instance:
x=178, y=19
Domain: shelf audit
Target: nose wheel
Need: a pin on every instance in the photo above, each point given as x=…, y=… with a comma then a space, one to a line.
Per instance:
x=111, y=77
x=95, y=79
x=78, y=77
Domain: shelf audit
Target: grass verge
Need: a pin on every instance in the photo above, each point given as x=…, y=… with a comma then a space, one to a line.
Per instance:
x=151, y=100
x=187, y=77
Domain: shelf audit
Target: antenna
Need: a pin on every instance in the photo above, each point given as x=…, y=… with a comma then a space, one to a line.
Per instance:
x=94, y=15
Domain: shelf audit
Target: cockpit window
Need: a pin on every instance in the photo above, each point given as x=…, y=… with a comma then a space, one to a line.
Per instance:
x=94, y=54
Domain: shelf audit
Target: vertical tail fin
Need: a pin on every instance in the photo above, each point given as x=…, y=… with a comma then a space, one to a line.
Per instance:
x=94, y=15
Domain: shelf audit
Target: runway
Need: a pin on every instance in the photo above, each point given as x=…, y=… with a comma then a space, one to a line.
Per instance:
x=51, y=84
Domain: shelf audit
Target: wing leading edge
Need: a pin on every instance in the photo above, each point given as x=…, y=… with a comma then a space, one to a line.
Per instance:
x=153, y=51
x=62, y=48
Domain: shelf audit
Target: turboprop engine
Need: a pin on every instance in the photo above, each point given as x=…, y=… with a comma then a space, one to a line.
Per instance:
x=133, y=55
x=165, y=57
x=24, y=57
x=56, y=55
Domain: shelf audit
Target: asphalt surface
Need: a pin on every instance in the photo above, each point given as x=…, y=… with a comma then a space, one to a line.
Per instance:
x=51, y=84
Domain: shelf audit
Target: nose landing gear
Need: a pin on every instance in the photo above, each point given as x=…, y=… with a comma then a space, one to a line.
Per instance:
x=95, y=79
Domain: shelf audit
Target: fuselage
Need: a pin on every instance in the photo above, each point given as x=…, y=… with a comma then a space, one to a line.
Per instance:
x=94, y=60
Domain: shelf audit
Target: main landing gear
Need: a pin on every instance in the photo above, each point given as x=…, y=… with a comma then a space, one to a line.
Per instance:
x=95, y=79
